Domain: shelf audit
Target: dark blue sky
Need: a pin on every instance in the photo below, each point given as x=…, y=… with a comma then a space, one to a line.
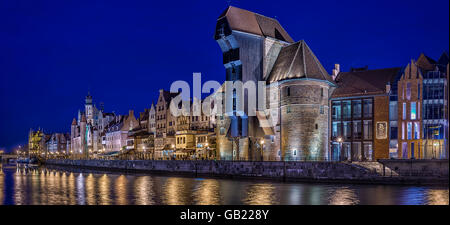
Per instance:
x=53, y=52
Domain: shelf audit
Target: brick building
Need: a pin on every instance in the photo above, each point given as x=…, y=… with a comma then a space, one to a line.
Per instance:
x=409, y=112
x=358, y=131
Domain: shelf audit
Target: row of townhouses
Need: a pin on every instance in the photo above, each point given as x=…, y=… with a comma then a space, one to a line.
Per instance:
x=305, y=114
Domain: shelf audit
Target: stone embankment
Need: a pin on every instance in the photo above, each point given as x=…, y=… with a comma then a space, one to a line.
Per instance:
x=386, y=172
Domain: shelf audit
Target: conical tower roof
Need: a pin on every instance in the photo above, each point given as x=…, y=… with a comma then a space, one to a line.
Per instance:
x=443, y=60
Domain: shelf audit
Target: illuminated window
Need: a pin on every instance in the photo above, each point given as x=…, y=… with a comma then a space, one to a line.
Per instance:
x=336, y=129
x=403, y=130
x=336, y=110
x=413, y=110
x=409, y=128
x=346, y=109
x=416, y=130
x=357, y=130
x=368, y=129
x=347, y=127
x=368, y=107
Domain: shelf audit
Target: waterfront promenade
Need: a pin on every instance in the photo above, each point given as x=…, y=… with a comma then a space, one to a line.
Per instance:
x=383, y=172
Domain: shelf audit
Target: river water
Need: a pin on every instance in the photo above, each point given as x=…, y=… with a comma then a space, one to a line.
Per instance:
x=48, y=186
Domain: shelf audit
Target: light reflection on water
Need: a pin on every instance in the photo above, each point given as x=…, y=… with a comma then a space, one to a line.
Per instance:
x=50, y=186
x=343, y=196
x=260, y=194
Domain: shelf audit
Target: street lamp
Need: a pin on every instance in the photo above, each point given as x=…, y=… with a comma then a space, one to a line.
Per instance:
x=339, y=140
x=206, y=150
x=435, y=144
x=262, y=149
x=144, y=153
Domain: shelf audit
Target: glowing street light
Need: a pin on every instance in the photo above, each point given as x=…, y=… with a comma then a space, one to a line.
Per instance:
x=339, y=140
x=262, y=149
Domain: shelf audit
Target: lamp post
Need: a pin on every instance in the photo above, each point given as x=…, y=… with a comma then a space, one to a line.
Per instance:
x=339, y=139
x=206, y=150
x=145, y=153
x=262, y=149
x=435, y=144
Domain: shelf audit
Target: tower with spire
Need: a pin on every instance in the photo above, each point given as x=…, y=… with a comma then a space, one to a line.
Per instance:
x=89, y=107
x=86, y=129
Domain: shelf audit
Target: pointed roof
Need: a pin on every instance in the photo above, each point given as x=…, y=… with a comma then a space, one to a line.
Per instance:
x=83, y=118
x=298, y=61
x=74, y=121
x=412, y=71
x=444, y=59
x=425, y=62
x=167, y=95
x=143, y=116
x=250, y=22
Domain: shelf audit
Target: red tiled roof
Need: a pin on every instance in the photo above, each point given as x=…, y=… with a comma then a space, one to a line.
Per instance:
x=366, y=82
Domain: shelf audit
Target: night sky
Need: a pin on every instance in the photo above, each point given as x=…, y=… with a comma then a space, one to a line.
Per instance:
x=53, y=52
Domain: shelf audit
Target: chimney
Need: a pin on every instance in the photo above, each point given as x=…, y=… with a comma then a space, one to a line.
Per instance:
x=388, y=87
x=336, y=70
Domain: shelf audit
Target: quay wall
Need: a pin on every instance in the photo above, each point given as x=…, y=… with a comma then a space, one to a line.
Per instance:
x=286, y=171
x=417, y=168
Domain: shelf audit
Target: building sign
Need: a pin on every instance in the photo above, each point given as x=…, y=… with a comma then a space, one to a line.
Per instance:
x=381, y=130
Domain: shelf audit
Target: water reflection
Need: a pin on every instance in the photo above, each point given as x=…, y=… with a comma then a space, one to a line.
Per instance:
x=105, y=195
x=51, y=186
x=81, y=199
x=174, y=189
x=344, y=196
x=260, y=194
x=143, y=190
x=207, y=192
x=121, y=190
x=438, y=197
